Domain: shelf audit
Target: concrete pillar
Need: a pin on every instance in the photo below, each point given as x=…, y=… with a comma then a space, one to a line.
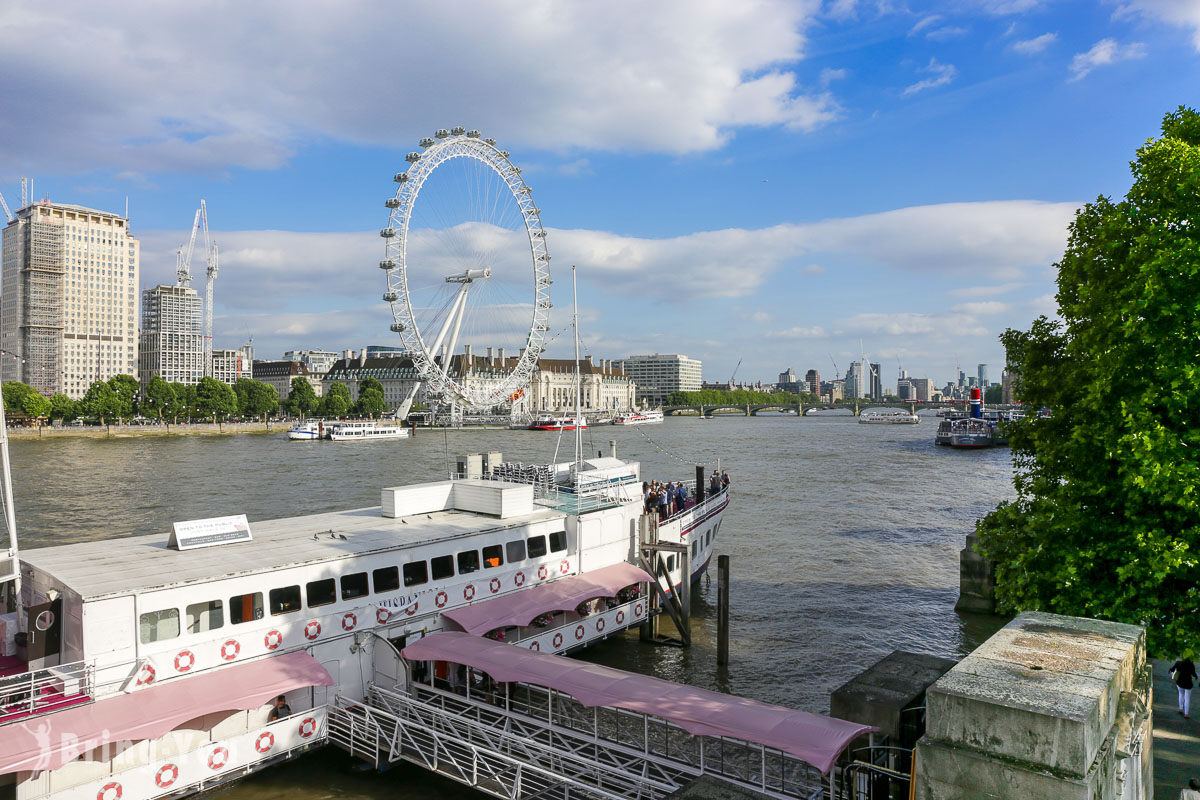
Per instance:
x=976, y=581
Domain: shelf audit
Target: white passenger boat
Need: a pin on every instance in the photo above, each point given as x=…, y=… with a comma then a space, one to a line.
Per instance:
x=145, y=667
x=308, y=430
x=639, y=418
x=364, y=431
x=552, y=423
x=888, y=416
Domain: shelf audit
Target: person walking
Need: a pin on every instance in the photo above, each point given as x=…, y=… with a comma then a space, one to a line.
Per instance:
x=1183, y=672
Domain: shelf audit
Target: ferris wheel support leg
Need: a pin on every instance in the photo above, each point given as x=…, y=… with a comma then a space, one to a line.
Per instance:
x=455, y=310
x=462, y=312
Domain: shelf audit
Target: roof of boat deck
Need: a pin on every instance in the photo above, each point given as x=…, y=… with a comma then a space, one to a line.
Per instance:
x=141, y=563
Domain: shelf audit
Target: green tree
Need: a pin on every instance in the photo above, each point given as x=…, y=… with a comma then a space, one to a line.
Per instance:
x=101, y=402
x=336, y=401
x=126, y=388
x=181, y=403
x=255, y=398
x=15, y=395
x=215, y=399
x=1106, y=522
x=371, y=403
x=369, y=383
x=994, y=395
x=37, y=406
x=159, y=397
x=63, y=407
x=302, y=399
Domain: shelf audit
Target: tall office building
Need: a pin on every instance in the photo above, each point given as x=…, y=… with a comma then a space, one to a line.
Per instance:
x=68, y=298
x=172, y=344
x=876, y=383
x=983, y=377
x=657, y=376
x=813, y=379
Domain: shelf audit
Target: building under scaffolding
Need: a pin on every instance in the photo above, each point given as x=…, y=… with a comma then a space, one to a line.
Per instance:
x=69, y=298
x=172, y=335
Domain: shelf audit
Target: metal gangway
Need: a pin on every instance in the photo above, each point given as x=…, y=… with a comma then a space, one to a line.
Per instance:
x=521, y=741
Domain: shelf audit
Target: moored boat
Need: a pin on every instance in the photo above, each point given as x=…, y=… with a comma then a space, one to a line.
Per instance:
x=307, y=431
x=557, y=423
x=965, y=432
x=364, y=431
x=639, y=418
x=888, y=416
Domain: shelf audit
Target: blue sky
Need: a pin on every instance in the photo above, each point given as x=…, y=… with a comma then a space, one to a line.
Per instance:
x=768, y=182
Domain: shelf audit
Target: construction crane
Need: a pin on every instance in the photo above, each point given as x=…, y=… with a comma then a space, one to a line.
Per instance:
x=734, y=375
x=837, y=373
x=208, y=304
x=183, y=257
x=4, y=205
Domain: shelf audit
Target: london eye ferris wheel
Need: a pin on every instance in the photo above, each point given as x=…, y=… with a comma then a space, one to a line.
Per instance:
x=467, y=267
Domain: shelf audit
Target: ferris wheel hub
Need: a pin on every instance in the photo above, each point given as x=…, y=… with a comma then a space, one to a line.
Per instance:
x=470, y=275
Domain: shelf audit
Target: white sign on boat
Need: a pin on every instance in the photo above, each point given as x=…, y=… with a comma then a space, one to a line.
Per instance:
x=208, y=532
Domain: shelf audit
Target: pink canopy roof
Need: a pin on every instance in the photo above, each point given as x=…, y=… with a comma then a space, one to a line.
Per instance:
x=812, y=738
x=520, y=608
x=49, y=741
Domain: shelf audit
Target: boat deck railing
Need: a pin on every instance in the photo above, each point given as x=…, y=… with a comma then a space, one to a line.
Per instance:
x=590, y=496
x=42, y=691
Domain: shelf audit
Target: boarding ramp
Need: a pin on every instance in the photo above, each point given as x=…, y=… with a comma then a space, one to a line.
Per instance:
x=531, y=738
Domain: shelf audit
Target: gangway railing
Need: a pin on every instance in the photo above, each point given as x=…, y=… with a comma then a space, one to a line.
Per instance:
x=524, y=741
x=44, y=690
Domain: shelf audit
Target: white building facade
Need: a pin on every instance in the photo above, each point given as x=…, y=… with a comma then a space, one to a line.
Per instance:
x=318, y=361
x=657, y=376
x=68, y=298
x=172, y=340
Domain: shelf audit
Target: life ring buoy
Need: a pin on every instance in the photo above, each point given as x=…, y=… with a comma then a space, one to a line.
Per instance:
x=494, y=585
x=230, y=650
x=349, y=621
x=578, y=632
x=146, y=675
x=542, y=572
x=103, y=794
x=564, y=566
x=519, y=578
x=637, y=610
x=440, y=600
x=184, y=661
x=218, y=758
x=600, y=625
x=264, y=742
x=620, y=617
x=534, y=646
x=312, y=630
x=469, y=592
x=557, y=640
x=273, y=639
x=166, y=775
x=308, y=727
x=413, y=608
x=382, y=615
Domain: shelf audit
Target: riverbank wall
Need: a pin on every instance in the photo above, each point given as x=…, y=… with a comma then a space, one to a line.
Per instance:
x=129, y=431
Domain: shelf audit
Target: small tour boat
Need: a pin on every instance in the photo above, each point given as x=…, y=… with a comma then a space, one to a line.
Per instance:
x=966, y=432
x=888, y=416
x=639, y=418
x=308, y=430
x=364, y=431
x=557, y=423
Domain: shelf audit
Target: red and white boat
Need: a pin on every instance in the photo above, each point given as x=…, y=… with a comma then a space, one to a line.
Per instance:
x=639, y=418
x=557, y=424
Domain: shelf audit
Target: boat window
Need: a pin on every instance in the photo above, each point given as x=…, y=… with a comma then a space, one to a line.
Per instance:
x=203, y=617
x=245, y=608
x=415, y=573
x=695, y=549
x=317, y=593
x=285, y=600
x=537, y=546
x=468, y=561
x=157, y=626
x=386, y=579
x=442, y=567
x=355, y=585
x=670, y=562
x=515, y=550
x=493, y=555
x=558, y=541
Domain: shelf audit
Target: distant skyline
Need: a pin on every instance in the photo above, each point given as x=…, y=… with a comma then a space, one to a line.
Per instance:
x=767, y=182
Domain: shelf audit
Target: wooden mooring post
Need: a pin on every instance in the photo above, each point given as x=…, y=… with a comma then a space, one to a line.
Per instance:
x=722, y=611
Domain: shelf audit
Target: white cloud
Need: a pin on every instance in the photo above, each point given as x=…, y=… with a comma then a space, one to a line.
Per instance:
x=942, y=74
x=813, y=269
x=829, y=75
x=983, y=308
x=1035, y=45
x=1104, y=52
x=197, y=87
x=986, y=291
x=924, y=22
x=1002, y=8
x=946, y=32
x=1046, y=305
x=946, y=326
x=815, y=332
x=1181, y=13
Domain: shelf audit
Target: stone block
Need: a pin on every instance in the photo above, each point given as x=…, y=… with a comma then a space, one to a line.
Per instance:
x=880, y=694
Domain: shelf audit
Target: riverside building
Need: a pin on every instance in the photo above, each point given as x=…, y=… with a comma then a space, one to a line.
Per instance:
x=280, y=373
x=68, y=298
x=318, y=361
x=658, y=375
x=172, y=342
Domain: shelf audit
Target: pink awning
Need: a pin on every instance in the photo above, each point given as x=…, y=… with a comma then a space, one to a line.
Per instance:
x=520, y=608
x=49, y=741
x=815, y=739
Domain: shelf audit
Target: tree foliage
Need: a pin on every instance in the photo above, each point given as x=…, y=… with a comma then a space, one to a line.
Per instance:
x=302, y=399
x=255, y=398
x=215, y=399
x=126, y=389
x=21, y=399
x=736, y=397
x=101, y=402
x=336, y=401
x=63, y=407
x=159, y=397
x=371, y=403
x=182, y=403
x=1106, y=522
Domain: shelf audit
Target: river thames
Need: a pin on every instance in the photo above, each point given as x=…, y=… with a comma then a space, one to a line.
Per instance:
x=843, y=538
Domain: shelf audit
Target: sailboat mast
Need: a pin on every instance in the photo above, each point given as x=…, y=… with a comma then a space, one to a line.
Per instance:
x=578, y=380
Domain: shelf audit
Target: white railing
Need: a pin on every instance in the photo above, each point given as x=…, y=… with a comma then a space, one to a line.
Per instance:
x=44, y=690
x=571, y=630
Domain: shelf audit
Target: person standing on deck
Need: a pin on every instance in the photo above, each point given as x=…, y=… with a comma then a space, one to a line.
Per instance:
x=681, y=493
x=1183, y=672
x=714, y=483
x=663, y=507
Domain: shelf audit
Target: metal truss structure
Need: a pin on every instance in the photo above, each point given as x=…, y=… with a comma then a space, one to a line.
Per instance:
x=440, y=380
x=531, y=742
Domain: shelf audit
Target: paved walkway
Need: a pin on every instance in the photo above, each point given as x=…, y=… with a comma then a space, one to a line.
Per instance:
x=1176, y=740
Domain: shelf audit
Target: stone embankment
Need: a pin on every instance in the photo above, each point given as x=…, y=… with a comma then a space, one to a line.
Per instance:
x=126, y=431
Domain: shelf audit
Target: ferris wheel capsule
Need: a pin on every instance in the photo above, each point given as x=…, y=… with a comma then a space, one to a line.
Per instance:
x=387, y=263
x=504, y=153
x=412, y=158
x=472, y=134
x=392, y=202
x=441, y=133
x=492, y=142
x=426, y=142
x=401, y=177
x=390, y=297
x=457, y=130
x=397, y=327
